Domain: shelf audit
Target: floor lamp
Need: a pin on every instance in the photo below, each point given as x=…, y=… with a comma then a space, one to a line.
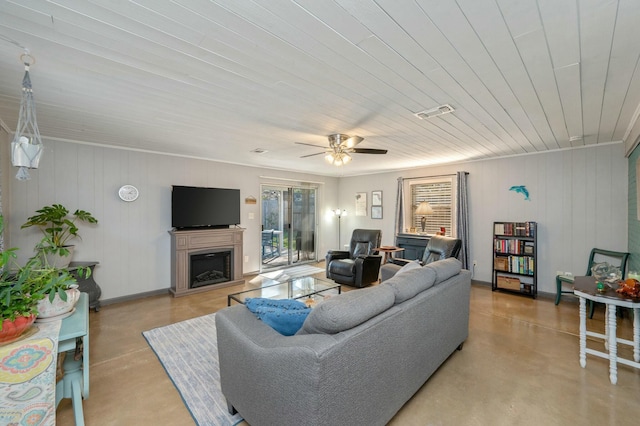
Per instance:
x=339, y=213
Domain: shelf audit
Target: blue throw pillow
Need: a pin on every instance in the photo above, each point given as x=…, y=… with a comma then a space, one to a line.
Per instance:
x=286, y=316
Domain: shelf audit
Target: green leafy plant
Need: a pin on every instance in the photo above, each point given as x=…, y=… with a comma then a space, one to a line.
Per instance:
x=58, y=227
x=46, y=280
x=22, y=287
x=17, y=298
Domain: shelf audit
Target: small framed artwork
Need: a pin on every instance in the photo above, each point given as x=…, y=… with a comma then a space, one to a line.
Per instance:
x=361, y=203
x=376, y=212
x=376, y=198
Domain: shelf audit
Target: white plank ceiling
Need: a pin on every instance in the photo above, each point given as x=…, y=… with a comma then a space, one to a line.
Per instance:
x=218, y=79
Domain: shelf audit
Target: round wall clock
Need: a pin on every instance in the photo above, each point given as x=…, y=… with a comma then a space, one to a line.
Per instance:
x=128, y=193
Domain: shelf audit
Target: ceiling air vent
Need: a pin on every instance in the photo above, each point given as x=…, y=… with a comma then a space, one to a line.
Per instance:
x=442, y=109
x=259, y=151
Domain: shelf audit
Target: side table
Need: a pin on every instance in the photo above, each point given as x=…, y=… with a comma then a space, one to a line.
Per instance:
x=585, y=288
x=88, y=285
x=74, y=340
x=388, y=252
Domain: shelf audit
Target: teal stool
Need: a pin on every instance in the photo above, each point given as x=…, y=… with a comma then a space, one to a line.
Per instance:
x=608, y=255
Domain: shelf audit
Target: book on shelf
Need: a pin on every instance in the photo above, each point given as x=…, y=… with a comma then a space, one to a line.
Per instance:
x=518, y=229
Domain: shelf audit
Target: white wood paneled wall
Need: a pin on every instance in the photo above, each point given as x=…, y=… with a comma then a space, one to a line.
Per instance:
x=578, y=197
x=131, y=241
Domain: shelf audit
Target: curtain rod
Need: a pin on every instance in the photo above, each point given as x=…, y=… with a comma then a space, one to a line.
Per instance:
x=432, y=176
x=302, y=181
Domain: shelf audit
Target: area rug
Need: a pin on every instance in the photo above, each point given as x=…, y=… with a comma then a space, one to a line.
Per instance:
x=188, y=351
x=286, y=274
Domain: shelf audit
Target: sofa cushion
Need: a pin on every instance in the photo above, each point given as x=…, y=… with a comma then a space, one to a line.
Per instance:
x=285, y=316
x=409, y=266
x=410, y=283
x=348, y=310
x=445, y=269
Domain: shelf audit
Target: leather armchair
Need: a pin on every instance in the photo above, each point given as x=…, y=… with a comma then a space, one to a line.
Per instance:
x=439, y=247
x=359, y=266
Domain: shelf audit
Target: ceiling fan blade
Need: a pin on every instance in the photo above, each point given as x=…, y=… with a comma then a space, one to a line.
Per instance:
x=368, y=151
x=313, y=155
x=310, y=144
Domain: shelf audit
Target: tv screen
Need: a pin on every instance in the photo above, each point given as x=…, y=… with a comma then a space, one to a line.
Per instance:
x=195, y=207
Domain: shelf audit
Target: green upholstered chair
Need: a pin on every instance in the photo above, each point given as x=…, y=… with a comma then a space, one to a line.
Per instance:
x=597, y=255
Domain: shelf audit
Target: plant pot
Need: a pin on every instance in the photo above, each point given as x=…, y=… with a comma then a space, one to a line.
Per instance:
x=12, y=330
x=57, y=261
x=25, y=154
x=58, y=307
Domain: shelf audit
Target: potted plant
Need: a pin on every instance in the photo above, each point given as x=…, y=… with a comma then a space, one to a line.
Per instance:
x=58, y=228
x=57, y=286
x=18, y=302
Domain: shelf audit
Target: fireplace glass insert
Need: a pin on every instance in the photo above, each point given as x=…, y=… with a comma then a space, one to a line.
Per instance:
x=211, y=267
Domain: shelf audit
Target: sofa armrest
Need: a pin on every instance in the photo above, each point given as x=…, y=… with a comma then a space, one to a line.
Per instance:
x=254, y=360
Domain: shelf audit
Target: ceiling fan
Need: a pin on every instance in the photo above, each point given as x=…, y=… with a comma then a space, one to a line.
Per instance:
x=340, y=146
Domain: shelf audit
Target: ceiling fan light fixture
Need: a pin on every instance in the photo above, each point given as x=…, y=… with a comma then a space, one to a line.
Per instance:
x=346, y=158
x=329, y=158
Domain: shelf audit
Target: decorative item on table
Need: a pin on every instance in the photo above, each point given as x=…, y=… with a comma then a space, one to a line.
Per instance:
x=629, y=287
x=606, y=275
x=423, y=209
x=59, y=308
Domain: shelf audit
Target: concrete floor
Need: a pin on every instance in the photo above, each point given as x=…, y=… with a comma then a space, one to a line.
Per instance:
x=519, y=366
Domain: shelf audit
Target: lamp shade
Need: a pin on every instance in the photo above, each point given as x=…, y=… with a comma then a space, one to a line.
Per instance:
x=424, y=208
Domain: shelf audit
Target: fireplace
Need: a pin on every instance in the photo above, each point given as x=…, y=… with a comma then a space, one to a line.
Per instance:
x=205, y=259
x=210, y=267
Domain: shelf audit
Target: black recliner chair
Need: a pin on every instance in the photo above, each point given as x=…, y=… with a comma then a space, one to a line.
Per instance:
x=359, y=266
x=439, y=247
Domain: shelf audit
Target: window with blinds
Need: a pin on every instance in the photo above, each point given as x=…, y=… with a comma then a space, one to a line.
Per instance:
x=439, y=193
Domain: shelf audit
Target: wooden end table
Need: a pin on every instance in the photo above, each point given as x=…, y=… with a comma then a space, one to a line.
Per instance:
x=586, y=289
x=388, y=252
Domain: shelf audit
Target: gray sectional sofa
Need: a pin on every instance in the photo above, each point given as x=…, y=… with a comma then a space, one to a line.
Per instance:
x=358, y=357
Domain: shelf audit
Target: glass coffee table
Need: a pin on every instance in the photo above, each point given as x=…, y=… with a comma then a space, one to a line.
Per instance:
x=295, y=288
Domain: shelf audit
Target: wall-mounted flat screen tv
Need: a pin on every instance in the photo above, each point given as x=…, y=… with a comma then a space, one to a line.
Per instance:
x=197, y=207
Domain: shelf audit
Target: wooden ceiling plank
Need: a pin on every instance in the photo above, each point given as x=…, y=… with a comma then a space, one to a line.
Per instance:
x=534, y=53
x=459, y=73
x=568, y=79
x=625, y=53
x=466, y=42
x=597, y=25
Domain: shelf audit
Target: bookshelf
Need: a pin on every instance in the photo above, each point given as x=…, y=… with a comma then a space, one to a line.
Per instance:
x=515, y=258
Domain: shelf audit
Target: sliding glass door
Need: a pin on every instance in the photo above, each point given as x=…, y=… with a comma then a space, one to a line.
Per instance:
x=288, y=226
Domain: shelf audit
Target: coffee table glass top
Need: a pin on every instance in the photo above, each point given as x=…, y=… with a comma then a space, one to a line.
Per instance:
x=295, y=288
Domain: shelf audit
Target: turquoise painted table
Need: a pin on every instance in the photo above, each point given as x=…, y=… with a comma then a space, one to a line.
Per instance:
x=74, y=340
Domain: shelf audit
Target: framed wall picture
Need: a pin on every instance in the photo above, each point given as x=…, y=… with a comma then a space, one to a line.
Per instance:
x=376, y=198
x=376, y=212
x=361, y=203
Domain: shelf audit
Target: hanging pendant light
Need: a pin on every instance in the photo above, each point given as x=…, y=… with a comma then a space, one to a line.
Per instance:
x=26, y=147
